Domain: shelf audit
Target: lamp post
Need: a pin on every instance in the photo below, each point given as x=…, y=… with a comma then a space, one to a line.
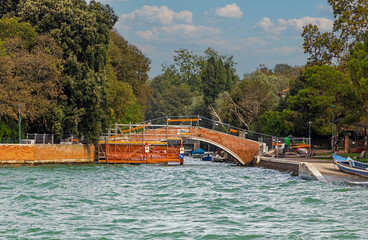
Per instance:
x=310, y=139
x=20, y=122
x=332, y=139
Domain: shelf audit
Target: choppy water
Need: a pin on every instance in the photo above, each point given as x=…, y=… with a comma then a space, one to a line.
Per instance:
x=200, y=200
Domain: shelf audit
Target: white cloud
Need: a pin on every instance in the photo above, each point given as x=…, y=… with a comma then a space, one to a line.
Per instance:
x=324, y=24
x=185, y=16
x=146, y=35
x=154, y=14
x=270, y=27
x=151, y=23
x=178, y=32
x=229, y=11
x=189, y=31
x=276, y=28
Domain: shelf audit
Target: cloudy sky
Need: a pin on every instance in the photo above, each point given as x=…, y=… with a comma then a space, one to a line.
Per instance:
x=253, y=31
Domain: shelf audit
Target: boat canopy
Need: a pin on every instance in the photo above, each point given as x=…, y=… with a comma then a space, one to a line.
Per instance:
x=198, y=151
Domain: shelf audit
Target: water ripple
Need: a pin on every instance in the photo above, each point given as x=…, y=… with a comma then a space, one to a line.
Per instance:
x=199, y=200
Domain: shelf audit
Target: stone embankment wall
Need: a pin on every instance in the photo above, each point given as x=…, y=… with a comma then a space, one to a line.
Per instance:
x=23, y=154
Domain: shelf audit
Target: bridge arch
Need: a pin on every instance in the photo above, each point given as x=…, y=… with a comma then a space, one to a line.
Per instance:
x=241, y=161
x=233, y=141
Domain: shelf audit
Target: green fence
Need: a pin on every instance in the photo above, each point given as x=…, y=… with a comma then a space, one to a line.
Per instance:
x=7, y=140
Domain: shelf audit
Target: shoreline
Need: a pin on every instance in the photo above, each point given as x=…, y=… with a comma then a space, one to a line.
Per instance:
x=310, y=169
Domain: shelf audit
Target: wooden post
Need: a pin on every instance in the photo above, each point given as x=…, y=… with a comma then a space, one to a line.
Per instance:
x=130, y=131
x=365, y=135
x=346, y=144
x=106, y=148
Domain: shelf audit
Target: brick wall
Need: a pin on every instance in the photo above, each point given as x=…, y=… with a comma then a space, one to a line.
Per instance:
x=46, y=154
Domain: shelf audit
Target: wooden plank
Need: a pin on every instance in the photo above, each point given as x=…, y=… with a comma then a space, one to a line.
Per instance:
x=128, y=130
x=183, y=120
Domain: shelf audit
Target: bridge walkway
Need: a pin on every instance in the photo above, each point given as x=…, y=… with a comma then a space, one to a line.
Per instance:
x=163, y=137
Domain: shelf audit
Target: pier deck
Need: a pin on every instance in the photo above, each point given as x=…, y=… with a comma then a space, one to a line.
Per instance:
x=318, y=169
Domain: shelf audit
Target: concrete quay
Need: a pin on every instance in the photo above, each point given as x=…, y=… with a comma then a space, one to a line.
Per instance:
x=311, y=169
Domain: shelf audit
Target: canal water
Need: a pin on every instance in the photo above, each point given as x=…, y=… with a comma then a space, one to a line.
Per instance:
x=200, y=200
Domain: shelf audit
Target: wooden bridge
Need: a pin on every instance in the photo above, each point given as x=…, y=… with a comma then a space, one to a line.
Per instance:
x=160, y=140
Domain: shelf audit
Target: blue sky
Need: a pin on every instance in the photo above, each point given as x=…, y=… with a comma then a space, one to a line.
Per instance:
x=253, y=31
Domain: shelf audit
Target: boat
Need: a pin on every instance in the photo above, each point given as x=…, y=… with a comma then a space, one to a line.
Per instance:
x=187, y=151
x=351, y=166
x=218, y=158
x=207, y=157
x=210, y=156
x=198, y=153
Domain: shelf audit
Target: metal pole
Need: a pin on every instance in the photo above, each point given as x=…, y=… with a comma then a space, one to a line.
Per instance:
x=310, y=140
x=130, y=132
x=332, y=131
x=357, y=139
x=20, y=126
x=365, y=136
x=333, y=116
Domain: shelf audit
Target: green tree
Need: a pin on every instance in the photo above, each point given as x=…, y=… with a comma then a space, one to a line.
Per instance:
x=248, y=101
x=275, y=83
x=131, y=66
x=186, y=69
x=8, y=8
x=214, y=80
x=278, y=123
x=358, y=66
x=172, y=101
x=83, y=32
x=324, y=86
x=31, y=79
x=349, y=27
x=292, y=73
x=12, y=28
x=120, y=97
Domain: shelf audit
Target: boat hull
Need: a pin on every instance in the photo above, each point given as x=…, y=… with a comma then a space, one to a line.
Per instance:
x=207, y=158
x=351, y=170
x=351, y=166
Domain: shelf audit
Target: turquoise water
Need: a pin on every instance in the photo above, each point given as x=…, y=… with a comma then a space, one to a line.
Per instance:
x=200, y=200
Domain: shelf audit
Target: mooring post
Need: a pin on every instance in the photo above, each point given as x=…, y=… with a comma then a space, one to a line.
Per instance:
x=130, y=131
x=106, y=148
x=144, y=131
x=167, y=127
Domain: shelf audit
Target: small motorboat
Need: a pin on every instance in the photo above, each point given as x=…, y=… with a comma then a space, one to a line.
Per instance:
x=198, y=153
x=218, y=158
x=207, y=157
x=349, y=165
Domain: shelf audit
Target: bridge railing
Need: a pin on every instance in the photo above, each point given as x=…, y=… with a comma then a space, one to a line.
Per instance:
x=199, y=121
x=185, y=123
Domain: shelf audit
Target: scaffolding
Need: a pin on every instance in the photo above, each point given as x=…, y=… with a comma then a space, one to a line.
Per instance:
x=145, y=143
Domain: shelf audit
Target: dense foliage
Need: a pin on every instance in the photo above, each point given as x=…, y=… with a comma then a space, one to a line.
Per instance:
x=63, y=64
x=349, y=27
x=70, y=72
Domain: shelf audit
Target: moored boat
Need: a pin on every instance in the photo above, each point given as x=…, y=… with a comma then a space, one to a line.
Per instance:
x=198, y=153
x=207, y=157
x=218, y=158
x=351, y=166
